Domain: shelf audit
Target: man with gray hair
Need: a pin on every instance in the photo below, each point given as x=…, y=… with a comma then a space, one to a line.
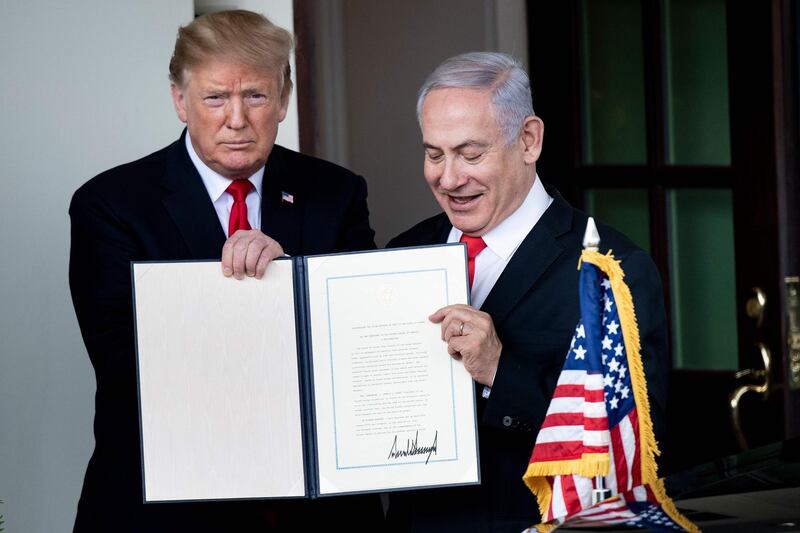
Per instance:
x=482, y=140
x=223, y=191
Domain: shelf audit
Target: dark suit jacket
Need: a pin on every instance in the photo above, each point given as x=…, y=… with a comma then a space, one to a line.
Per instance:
x=534, y=306
x=157, y=208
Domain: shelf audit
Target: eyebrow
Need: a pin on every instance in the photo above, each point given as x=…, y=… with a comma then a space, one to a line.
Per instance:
x=254, y=90
x=225, y=88
x=466, y=144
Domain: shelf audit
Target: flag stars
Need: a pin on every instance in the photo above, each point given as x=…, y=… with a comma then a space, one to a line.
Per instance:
x=618, y=386
x=580, y=332
x=624, y=392
x=622, y=371
x=608, y=381
x=613, y=402
x=580, y=352
x=613, y=327
x=618, y=350
x=608, y=303
x=613, y=365
x=605, y=283
x=606, y=343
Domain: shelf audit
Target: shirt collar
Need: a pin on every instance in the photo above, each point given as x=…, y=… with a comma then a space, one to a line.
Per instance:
x=505, y=238
x=216, y=183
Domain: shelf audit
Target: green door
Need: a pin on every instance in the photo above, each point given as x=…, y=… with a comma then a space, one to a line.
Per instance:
x=660, y=122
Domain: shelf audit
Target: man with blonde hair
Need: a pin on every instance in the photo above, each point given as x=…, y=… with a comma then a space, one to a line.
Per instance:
x=225, y=191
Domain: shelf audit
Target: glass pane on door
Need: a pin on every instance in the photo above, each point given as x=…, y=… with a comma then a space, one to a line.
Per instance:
x=696, y=83
x=627, y=210
x=702, y=276
x=612, y=83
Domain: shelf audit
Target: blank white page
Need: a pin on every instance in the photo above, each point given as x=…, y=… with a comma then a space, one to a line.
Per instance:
x=218, y=378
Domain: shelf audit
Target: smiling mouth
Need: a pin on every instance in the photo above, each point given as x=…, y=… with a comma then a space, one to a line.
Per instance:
x=463, y=202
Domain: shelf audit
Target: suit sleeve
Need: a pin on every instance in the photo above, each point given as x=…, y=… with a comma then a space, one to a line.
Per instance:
x=523, y=386
x=100, y=282
x=356, y=233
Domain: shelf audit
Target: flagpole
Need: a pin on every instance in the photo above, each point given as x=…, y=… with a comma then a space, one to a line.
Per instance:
x=591, y=241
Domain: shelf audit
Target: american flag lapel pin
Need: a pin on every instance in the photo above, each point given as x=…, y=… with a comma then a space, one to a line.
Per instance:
x=286, y=197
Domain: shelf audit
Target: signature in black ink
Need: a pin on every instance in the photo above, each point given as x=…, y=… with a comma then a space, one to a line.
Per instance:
x=413, y=448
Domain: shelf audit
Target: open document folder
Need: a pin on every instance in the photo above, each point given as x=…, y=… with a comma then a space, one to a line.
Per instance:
x=325, y=377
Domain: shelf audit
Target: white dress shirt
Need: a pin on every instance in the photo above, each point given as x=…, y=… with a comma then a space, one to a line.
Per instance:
x=503, y=240
x=501, y=243
x=223, y=202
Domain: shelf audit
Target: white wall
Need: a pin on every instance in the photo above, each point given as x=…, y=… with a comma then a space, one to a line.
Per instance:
x=84, y=87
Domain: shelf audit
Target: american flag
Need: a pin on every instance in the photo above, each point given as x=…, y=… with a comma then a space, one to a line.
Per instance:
x=286, y=197
x=639, y=507
x=598, y=422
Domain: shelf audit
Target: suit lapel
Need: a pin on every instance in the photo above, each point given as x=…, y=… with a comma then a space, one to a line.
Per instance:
x=535, y=254
x=282, y=218
x=439, y=231
x=186, y=200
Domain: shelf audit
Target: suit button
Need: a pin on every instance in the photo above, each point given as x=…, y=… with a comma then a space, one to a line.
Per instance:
x=507, y=421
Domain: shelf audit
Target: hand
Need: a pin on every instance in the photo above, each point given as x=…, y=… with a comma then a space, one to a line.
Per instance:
x=476, y=343
x=248, y=252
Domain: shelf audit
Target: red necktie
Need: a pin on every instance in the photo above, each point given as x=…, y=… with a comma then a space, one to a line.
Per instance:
x=238, y=189
x=474, y=246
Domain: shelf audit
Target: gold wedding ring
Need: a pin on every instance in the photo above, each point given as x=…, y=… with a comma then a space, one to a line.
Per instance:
x=461, y=329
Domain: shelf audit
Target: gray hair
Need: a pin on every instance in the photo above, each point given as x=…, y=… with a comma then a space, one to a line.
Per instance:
x=499, y=73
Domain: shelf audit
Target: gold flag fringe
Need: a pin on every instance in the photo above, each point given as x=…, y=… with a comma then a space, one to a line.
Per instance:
x=630, y=331
x=588, y=465
x=669, y=508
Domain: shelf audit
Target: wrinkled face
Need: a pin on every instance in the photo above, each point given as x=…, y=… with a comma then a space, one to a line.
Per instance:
x=232, y=112
x=477, y=178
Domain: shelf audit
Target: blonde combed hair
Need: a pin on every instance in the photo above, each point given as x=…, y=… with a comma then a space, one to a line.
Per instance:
x=239, y=36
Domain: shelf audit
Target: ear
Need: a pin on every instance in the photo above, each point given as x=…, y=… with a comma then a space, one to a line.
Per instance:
x=178, y=102
x=531, y=138
x=284, y=105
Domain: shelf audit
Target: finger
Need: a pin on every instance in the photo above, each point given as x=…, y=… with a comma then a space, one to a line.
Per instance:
x=452, y=327
x=255, y=249
x=455, y=354
x=459, y=345
x=439, y=315
x=227, y=254
x=267, y=255
x=463, y=321
x=239, y=256
x=449, y=315
x=262, y=264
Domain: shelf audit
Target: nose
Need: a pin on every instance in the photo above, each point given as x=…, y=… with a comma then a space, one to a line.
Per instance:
x=236, y=117
x=451, y=177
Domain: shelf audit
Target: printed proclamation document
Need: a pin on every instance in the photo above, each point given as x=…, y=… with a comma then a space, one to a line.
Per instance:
x=325, y=377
